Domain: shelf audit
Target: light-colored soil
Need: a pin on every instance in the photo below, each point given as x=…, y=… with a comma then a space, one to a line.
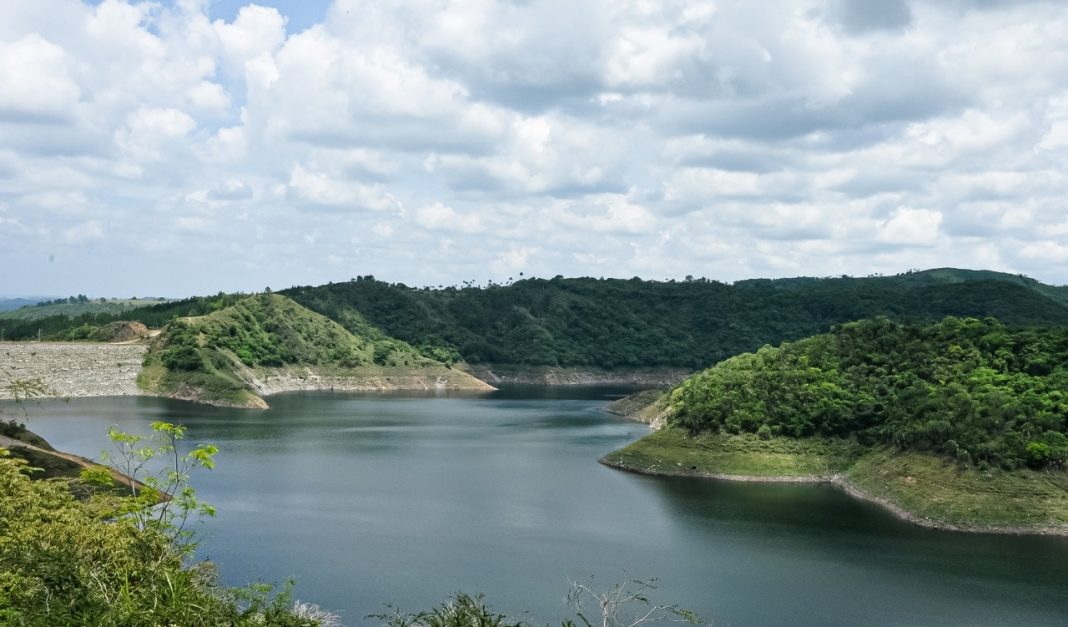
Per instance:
x=268, y=381
x=495, y=374
x=73, y=369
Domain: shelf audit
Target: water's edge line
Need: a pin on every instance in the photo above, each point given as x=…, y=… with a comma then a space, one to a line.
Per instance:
x=850, y=488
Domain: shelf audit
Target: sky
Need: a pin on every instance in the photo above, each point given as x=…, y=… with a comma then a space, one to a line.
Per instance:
x=196, y=146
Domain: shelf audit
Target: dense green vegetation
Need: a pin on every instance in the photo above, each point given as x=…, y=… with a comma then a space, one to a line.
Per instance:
x=208, y=354
x=63, y=326
x=611, y=324
x=962, y=422
x=974, y=390
x=633, y=323
x=271, y=330
x=75, y=554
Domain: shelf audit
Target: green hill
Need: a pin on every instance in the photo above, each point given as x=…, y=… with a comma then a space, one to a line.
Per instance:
x=964, y=421
x=611, y=323
x=77, y=306
x=268, y=343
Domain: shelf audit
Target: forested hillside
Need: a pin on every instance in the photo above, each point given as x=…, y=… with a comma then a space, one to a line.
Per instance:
x=84, y=325
x=208, y=357
x=977, y=391
x=633, y=323
x=219, y=357
x=614, y=323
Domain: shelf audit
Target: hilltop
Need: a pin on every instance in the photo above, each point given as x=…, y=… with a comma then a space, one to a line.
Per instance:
x=620, y=324
x=267, y=343
x=961, y=423
x=75, y=306
x=585, y=330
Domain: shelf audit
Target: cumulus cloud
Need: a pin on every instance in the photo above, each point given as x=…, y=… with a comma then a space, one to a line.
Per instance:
x=37, y=85
x=321, y=189
x=911, y=227
x=440, y=217
x=551, y=137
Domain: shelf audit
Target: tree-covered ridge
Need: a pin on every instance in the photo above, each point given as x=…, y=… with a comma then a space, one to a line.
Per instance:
x=206, y=356
x=612, y=323
x=977, y=390
x=272, y=330
x=83, y=325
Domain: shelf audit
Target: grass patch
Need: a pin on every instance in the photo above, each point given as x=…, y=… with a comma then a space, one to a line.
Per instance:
x=929, y=488
x=212, y=385
x=932, y=488
x=634, y=405
x=673, y=451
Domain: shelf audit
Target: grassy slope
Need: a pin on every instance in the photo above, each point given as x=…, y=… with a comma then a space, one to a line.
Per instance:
x=929, y=489
x=211, y=357
x=933, y=488
x=671, y=451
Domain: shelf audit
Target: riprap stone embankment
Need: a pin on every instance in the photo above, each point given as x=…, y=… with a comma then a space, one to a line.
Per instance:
x=73, y=369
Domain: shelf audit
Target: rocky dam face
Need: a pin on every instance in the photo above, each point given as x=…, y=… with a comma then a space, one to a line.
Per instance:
x=72, y=369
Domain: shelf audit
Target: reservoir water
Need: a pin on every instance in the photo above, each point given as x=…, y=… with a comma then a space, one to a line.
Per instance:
x=372, y=499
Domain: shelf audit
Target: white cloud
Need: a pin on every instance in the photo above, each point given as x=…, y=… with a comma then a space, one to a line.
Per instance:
x=149, y=132
x=440, y=217
x=611, y=213
x=36, y=84
x=83, y=232
x=208, y=96
x=514, y=260
x=321, y=189
x=911, y=227
x=1045, y=251
x=659, y=138
x=255, y=31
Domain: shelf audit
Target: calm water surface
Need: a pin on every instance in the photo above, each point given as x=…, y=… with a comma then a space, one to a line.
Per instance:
x=367, y=499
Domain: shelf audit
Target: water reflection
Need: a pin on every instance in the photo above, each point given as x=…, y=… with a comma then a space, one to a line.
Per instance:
x=374, y=498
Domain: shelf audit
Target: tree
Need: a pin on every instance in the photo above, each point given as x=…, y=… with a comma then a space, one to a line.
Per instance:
x=162, y=502
x=626, y=604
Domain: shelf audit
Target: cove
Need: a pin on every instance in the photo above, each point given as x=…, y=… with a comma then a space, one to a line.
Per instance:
x=372, y=498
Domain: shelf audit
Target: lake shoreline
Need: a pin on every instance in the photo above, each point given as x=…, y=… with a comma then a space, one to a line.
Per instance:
x=101, y=369
x=850, y=488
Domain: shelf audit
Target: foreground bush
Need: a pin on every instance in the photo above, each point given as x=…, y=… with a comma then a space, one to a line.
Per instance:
x=62, y=562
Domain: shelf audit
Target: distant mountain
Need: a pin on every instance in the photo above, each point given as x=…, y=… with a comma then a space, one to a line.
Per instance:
x=45, y=308
x=7, y=304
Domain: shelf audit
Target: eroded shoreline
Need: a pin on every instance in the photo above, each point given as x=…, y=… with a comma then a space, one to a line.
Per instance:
x=843, y=483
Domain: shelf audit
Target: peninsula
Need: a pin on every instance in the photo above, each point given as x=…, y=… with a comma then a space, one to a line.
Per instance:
x=957, y=425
